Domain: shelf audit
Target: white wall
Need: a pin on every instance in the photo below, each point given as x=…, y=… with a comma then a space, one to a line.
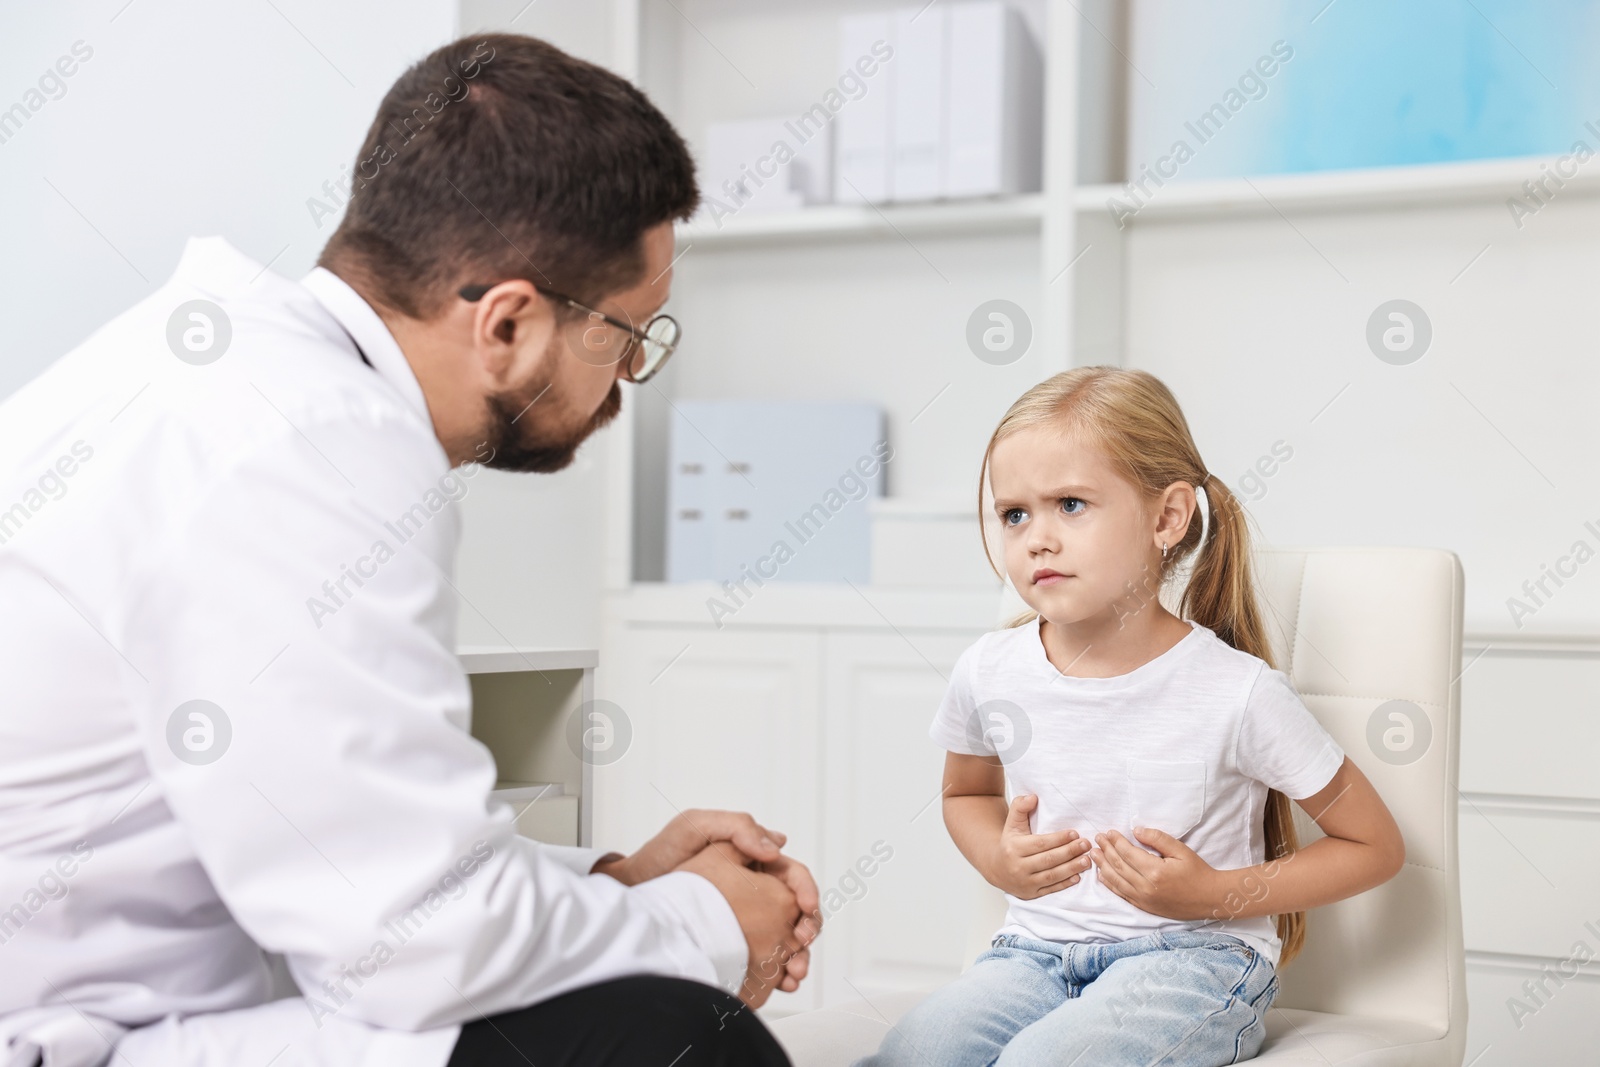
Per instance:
x=204, y=118
x=532, y=551
x=1483, y=446
x=188, y=118
x=584, y=28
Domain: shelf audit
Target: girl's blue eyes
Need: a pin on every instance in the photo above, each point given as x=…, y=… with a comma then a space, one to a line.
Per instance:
x=1066, y=500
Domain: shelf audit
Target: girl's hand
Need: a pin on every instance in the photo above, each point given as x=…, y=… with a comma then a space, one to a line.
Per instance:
x=1177, y=884
x=1029, y=865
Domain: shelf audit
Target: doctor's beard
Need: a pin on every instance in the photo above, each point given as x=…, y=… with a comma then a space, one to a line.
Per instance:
x=523, y=442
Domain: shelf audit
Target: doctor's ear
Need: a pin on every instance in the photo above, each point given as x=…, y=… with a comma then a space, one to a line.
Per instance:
x=507, y=317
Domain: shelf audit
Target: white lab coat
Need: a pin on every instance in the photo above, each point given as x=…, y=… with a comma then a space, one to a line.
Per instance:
x=165, y=529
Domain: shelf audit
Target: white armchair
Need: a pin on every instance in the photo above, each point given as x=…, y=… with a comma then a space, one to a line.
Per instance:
x=1381, y=981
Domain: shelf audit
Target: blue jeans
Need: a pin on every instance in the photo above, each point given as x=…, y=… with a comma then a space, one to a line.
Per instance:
x=1183, y=999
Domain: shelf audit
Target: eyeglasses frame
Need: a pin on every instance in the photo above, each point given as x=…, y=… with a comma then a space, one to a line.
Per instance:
x=474, y=293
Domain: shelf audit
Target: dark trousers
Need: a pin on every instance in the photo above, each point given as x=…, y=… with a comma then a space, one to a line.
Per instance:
x=641, y=1021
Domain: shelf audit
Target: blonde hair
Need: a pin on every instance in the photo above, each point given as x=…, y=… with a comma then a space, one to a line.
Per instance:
x=1132, y=419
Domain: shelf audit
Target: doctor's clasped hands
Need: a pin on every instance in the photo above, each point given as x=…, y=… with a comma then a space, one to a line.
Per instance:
x=773, y=896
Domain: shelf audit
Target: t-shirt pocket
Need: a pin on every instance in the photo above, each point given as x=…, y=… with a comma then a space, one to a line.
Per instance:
x=1168, y=796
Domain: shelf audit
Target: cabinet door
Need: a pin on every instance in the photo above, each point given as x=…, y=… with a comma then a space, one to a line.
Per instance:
x=904, y=921
x=719, y=719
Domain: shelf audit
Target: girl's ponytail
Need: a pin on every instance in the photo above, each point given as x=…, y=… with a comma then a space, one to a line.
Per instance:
x=1220, y=595
x=1221, y=590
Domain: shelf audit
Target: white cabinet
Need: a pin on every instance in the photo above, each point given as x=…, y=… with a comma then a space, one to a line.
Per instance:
x=1530, y=848
x=810, y=711
x=1511, y=1028
x=718, y=720
x=899, y=920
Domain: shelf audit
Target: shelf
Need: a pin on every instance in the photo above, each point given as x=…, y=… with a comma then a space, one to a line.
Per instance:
x=1434, y=185
x=812, y=604
x=1330, y=191
x=503, y=659
x=846, y=222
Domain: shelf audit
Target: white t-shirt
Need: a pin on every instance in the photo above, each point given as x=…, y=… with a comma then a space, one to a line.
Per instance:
x=1188, y=743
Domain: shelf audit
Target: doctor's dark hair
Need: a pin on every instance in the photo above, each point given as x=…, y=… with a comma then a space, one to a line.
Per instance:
x=1132, y=419
x=500, y=156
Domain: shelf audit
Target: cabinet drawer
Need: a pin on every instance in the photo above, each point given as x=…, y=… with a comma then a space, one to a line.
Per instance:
x=1529, y=723
x=1563, y=1029
x=1528, y=880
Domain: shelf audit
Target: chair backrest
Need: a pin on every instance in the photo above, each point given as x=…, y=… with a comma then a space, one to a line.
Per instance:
x=1371, y=639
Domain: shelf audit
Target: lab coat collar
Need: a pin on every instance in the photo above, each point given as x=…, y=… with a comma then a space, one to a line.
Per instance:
x=371, y=336
x=214, y=267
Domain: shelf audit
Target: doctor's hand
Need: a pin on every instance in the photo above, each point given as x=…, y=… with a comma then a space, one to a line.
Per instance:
x=1029, y=865
x=693, y=831
x=775, y=928
x=686, y=835
x=1176, y=884
x=797, y=877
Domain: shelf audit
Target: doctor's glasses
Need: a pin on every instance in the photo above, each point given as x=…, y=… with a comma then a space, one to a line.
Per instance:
x=608, y=341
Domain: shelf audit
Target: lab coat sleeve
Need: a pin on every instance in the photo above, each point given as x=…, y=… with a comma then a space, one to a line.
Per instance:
x=580, y=860
x=329, y=788
x=700, y=907
x=686, y=898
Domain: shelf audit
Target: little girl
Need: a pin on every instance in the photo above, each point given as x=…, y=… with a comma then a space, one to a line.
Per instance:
x=1150, y=759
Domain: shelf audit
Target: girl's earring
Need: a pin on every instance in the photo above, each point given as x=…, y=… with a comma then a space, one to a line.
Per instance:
x=1163, y=552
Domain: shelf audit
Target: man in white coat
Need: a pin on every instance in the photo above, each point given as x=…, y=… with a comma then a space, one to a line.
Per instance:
x=235, y=726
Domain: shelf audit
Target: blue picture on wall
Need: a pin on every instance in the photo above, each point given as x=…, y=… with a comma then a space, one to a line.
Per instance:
x=1253, y=87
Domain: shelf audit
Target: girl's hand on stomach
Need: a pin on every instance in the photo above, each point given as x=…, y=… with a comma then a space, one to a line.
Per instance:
x=1177, y=884
x=1029, y=865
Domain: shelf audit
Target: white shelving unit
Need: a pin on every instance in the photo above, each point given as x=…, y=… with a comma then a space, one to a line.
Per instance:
x=1058, y=253
x=1379, y=188
x=522, y=702
x=501, y=659
x=845, y=222
x=902, y=277
x=893, y=276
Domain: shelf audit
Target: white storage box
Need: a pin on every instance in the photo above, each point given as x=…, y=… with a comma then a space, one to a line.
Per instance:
x=929, y=543
x=759, y=166
x=959, y=110
x=768, y=490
